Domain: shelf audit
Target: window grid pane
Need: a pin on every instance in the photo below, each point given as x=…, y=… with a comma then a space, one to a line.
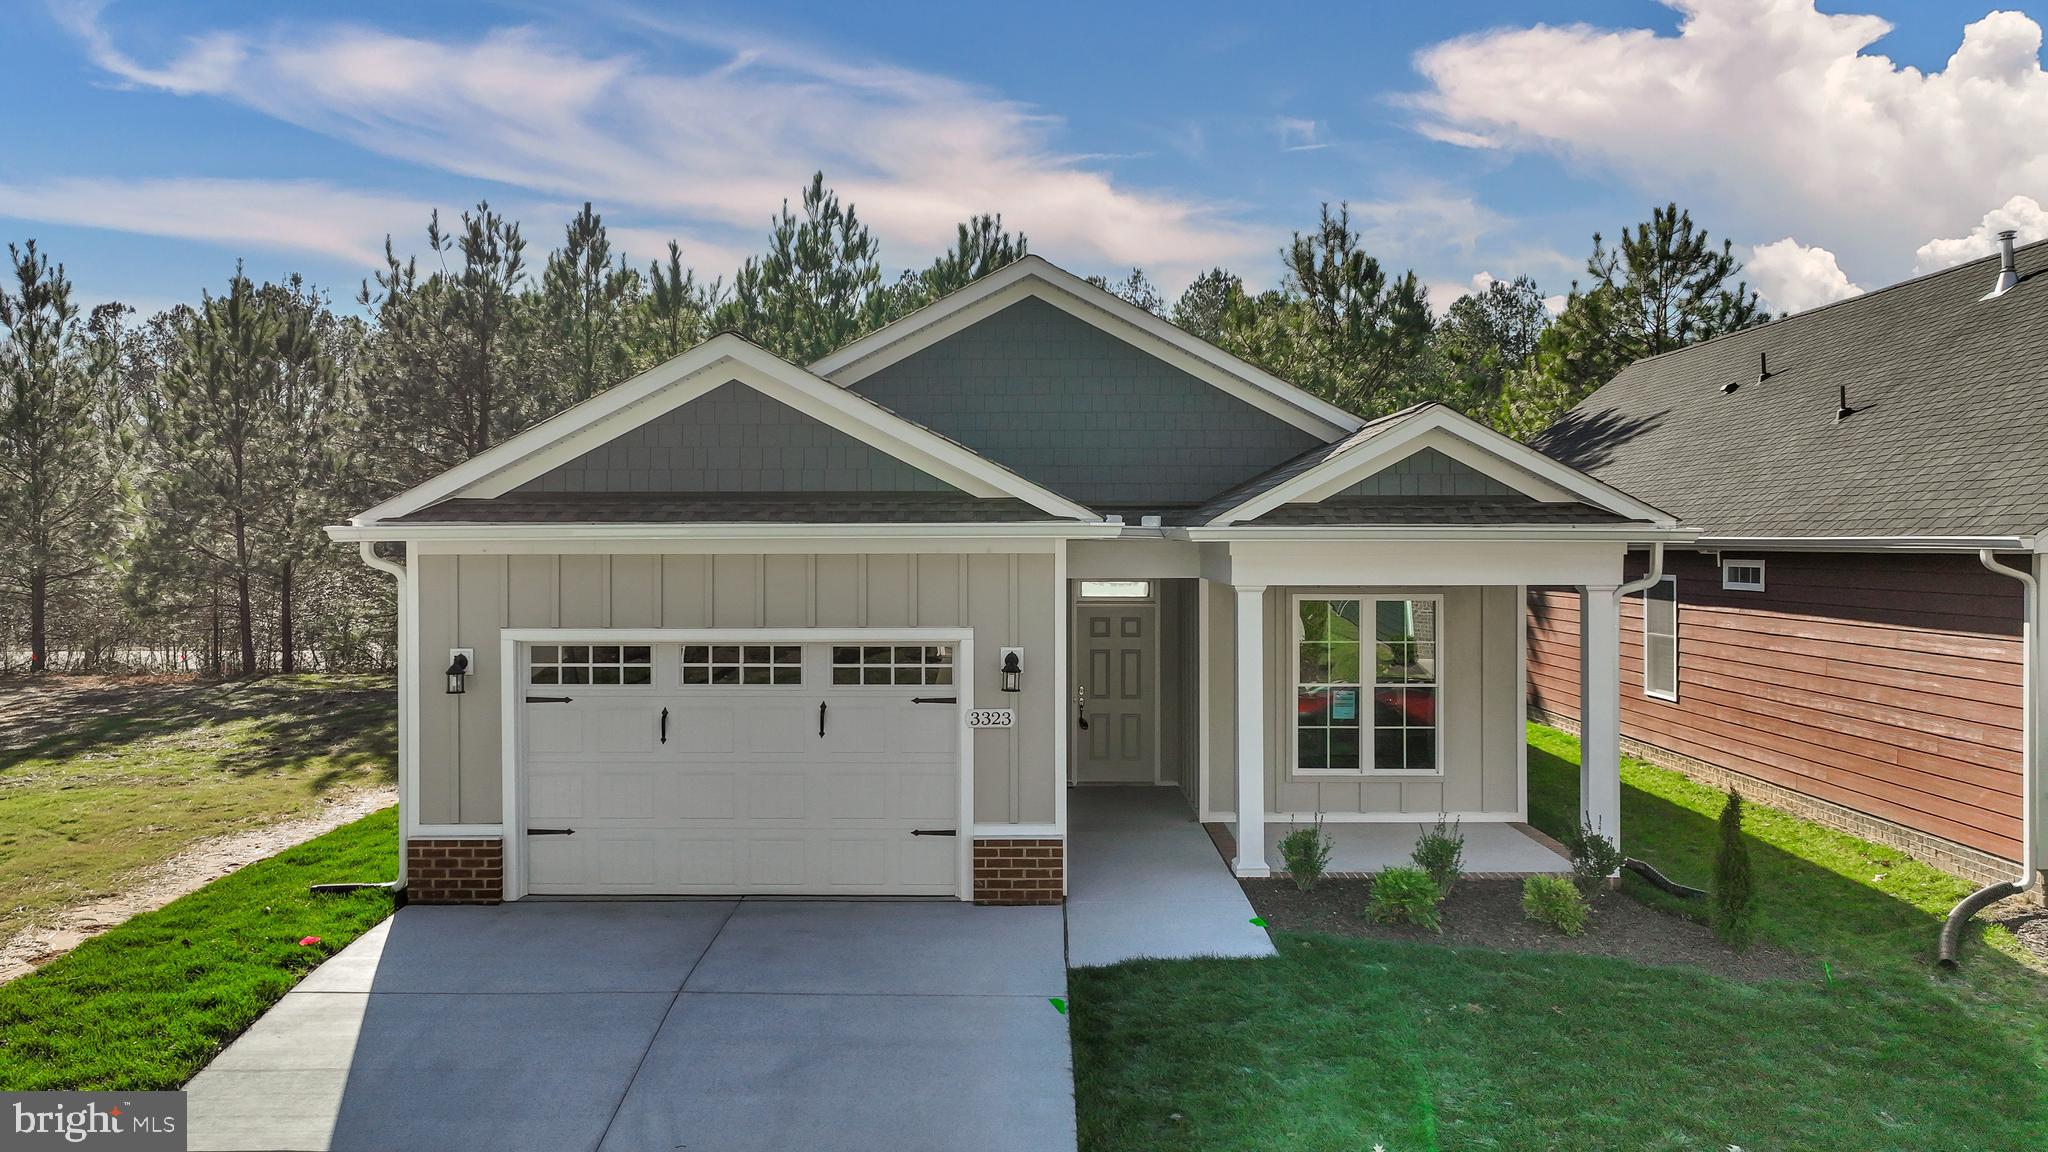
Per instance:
x=603, y=664
x=748, y=665
x=894, y=664
x=1367, y=701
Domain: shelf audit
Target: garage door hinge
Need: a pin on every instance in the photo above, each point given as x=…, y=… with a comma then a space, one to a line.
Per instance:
x=550, y=831
x=547, y=699
x=934, y=831
x=934, y=699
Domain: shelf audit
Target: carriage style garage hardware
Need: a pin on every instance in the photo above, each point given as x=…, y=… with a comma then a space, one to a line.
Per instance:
x=991, y=717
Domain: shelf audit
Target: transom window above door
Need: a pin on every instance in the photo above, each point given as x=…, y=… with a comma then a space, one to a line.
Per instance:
x=1357, y=653
x=758, y=664
x=892, y=664
x=590, y=664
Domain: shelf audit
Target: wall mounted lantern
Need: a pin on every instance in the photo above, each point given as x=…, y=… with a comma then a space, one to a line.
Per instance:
x=1013, y=669
x=458, y=670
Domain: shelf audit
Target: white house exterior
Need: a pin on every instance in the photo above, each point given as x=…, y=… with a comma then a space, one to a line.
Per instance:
x=742, y=626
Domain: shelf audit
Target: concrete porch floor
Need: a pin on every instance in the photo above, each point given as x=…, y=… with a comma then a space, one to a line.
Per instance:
x=1144, y=880
x=1490, y=848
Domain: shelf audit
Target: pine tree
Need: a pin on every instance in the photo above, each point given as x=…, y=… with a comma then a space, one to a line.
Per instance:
x=299, y=463
x=818, y=286
x=676, y=311
x=1485, y=336
x=589, y=302
x=58, y=491
x=1734, y=886
x=1201, y=306
x=980, y=247
x=1135, y=288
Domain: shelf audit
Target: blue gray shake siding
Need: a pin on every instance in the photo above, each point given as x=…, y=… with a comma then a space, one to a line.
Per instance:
x=1081, y=412
x=734, y=439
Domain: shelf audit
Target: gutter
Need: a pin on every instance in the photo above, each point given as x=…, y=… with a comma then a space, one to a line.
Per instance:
x=1656, y=535
x=1866, y=543
x=372, y=532
x=2030, y=722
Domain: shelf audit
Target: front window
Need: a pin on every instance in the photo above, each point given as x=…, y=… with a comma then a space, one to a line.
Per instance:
x=1366, y=693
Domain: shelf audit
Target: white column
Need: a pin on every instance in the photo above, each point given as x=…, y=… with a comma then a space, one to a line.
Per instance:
x=1251, y=732
x=1600, y=709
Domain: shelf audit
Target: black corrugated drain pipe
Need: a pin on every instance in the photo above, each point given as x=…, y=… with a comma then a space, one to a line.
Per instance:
x=2030, y=719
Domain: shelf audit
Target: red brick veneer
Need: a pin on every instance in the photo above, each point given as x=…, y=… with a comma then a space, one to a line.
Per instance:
x=454, y=871
x=1019, y=871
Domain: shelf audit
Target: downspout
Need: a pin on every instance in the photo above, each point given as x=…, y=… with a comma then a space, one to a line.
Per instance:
x=1655, y=574
x=2030, y=719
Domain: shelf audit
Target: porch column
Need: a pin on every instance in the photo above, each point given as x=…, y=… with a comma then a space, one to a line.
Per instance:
x=1251, y=731
x=1600, y=709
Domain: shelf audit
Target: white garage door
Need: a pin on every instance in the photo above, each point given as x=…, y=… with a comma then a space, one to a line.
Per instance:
x=722, y=768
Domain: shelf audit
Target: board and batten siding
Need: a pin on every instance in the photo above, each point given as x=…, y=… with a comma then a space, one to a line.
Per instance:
x=1889, y=685
x=465, y=599
x=1480, y=719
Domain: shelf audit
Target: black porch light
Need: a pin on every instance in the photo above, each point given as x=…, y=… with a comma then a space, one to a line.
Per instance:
x=458, y=673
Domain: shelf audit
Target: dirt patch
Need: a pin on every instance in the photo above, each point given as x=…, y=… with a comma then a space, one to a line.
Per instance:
x=1488, y=914
x=194, y=868
x=2030, y=926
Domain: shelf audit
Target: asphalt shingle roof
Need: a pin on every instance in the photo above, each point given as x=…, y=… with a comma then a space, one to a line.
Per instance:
x=723, y=508
x=1447, y=511
x=1948, y=434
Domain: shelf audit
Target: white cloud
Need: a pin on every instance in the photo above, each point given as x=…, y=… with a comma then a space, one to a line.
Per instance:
x=278, y=215
x=2022, y=214
x=717, y=148
x=1770, y=111
x=1792, y=277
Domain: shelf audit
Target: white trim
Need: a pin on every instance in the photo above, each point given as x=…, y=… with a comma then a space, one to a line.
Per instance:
x=1650, y=690
x=1384, y=448
x=511, y=642
x=458, y=832
x=683, y=378
x=1709, y=543
x=1062, y=770
x=1204, y=694
x=1507, y=534
x=409, y=698
x=531, y=535
x=1368, y=675
x=1522, y=701
x=1730, y=584
x=1019, y=832
x=1250, y=702
x=1033, y=276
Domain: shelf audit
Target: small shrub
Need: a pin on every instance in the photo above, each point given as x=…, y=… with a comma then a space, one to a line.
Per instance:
x=1405, y=896
x=1555, y=901
x=1441, y=853
x=1734, y=884
x=1594, y=858
x=1306, y=852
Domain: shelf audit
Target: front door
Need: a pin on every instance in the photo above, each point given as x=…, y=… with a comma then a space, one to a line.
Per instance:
x=1116, y=697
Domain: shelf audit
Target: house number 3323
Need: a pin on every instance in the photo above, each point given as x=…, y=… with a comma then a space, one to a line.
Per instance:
x=991, y=717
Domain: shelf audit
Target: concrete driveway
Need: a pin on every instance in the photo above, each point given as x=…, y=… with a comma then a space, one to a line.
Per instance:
x=710, y=1026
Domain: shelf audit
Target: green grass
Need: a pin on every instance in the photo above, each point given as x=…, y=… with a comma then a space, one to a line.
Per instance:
x=1344, y=1044
x=93, y=801
x=148, y=1003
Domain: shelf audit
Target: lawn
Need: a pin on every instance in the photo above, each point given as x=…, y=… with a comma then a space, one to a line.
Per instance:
x=1347, y=1044
x=89, y=796
x=148, y=1003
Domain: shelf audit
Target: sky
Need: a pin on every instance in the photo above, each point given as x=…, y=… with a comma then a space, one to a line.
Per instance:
x=1840, y=146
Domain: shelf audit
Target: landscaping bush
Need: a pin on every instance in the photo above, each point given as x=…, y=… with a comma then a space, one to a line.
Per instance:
x=1594, y=858
x=1555, y=901
x=1734, y=885
x=1405, y=896
x=1306, y=852
x=1441, y=853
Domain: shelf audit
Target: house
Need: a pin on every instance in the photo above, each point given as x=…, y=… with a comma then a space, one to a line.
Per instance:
x=1849, y=637
x=739, y=625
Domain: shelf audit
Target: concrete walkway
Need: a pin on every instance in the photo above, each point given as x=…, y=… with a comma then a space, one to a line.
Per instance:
x=738, y=1026
x=1144, y=879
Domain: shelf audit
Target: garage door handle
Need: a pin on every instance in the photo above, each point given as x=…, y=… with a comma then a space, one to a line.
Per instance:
x=547, y=699
x=934, y=831
x=664, y=725
x=934, y=699
x=821, y=719
x=550, y=831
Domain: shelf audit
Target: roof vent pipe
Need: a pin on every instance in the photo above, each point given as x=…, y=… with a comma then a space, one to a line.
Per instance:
x=2008, y=271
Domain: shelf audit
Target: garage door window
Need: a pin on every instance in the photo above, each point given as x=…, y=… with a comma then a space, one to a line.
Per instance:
x=591, y=664
x=892, y=664
x=757, y=664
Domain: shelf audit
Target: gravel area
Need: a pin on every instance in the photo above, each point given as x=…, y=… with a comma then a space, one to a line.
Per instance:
x=1488, y=914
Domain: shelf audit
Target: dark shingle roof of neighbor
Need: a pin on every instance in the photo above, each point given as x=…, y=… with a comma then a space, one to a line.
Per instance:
x=730, y=508
x=1948, y=434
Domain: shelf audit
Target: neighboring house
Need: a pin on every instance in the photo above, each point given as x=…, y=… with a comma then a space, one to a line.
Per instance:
x=745, y=626
x=1838, y=643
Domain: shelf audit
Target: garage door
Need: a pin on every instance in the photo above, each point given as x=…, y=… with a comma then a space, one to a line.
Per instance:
x=741, y=767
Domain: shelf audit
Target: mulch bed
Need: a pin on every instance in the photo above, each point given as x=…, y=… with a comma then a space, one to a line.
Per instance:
x=1488, y=914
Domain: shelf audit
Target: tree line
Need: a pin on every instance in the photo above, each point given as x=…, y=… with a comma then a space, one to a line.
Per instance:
x=164, y=479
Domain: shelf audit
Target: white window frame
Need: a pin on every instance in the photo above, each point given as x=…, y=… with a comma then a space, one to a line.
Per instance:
x=1649, y=689
x=1150, y=593
x=1367, y=602
x=1733, y=585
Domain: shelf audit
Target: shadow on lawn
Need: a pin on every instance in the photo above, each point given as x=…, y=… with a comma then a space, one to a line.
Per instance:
x=1830, y=907
x=352, y=721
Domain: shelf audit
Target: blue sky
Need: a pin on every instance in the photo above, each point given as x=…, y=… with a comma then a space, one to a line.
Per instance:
x=1840, y=148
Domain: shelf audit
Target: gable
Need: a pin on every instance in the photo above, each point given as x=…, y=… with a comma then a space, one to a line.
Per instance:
x=734, y=439
x=1430, y=473
x=1072, y=407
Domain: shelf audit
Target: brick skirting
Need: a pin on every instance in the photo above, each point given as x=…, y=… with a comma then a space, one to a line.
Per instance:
x=1019, y=871
x=454, y=871
x=1956, y=859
